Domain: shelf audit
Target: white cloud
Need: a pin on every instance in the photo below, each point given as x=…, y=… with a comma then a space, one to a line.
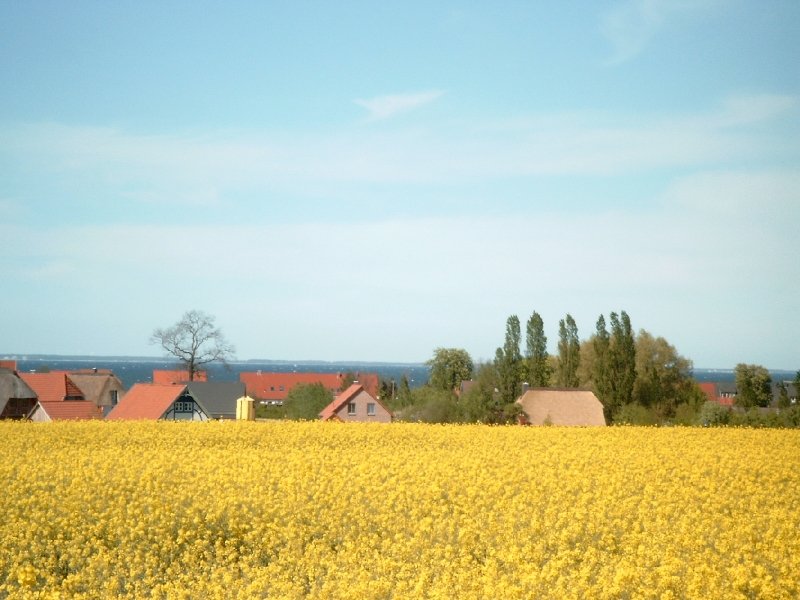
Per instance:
x=630, y=25
x=383, y=107
x=204, y=169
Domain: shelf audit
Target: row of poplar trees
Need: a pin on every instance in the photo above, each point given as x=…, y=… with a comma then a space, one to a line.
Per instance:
x=613, y=369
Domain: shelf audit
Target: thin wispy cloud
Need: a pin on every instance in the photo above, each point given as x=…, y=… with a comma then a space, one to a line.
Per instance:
x=204, y=170
x=384, y=107
x=631, y=25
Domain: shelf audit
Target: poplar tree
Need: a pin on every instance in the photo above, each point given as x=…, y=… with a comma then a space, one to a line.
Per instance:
x=601, y=371
x=783, y=396
x=537, y=357
x=569, y=352
x=508, y=362
x=622, y=360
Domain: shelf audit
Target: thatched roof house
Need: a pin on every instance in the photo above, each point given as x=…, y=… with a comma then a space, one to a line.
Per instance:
x=562, y=407
x=102, y=388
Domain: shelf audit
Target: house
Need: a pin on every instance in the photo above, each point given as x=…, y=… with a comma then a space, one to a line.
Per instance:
x=721, y=392
x=355, y=404
x=59, y=398
x=99, y=386
x=273, y=388
x=17, y=399
x=45, y=412
x=791, y=392
x=562, y=407
x=177, y=376
x=56, y=386
x=218, y=398
x=724, y=392
x=159, y=401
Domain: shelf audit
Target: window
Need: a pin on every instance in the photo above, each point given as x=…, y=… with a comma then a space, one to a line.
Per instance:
x=183, y=406
x=351, y=408
x=282, y=388
x=371, y=409
x=114, y=397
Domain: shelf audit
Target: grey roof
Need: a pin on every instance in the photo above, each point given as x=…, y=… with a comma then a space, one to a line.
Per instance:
x=217, y=397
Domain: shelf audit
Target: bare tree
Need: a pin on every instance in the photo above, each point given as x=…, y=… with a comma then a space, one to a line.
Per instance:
x=195, y=341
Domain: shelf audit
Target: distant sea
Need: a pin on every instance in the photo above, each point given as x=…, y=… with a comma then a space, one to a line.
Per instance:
x=132, y=370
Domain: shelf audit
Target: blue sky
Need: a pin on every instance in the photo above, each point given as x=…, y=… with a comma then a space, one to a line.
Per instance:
x=368, y=181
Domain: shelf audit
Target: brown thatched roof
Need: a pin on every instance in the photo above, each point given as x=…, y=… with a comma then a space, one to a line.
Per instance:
x=551, y=406
x=96, y=386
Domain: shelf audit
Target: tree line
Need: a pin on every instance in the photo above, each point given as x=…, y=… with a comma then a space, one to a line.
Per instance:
x=639, y=378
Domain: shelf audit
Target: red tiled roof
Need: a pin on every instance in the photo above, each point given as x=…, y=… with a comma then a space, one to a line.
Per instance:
x=162, y=376
x=52, y=387
x=146, y=401
x=346, y=396
x=8, y=364
x=709, y=389
x=276, y=386
x=72, y=409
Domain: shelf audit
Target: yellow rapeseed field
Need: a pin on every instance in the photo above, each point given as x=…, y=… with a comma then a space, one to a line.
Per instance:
x=322, y=510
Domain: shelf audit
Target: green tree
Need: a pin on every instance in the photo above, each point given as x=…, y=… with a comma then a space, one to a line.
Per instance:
x=663, y=377
x=797, y=388
x=508, y=362
x=536, y=354
x=195, y=341
x=480, y=403
x=431, y=405
x=387, y=391
x=622, y=360
x=753, y=386
x=348, y=379
x=601, y=369
x=306, y=401
x=783, y=396
x=712, y=414
x=449, y=367
x=569, y=352
x=404, y=397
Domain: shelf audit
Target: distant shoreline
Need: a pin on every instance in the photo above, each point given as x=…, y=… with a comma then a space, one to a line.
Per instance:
x=149, y=359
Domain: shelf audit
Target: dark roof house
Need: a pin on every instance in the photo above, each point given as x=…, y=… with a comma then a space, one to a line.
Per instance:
x=218, y=398
x=17, y=399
